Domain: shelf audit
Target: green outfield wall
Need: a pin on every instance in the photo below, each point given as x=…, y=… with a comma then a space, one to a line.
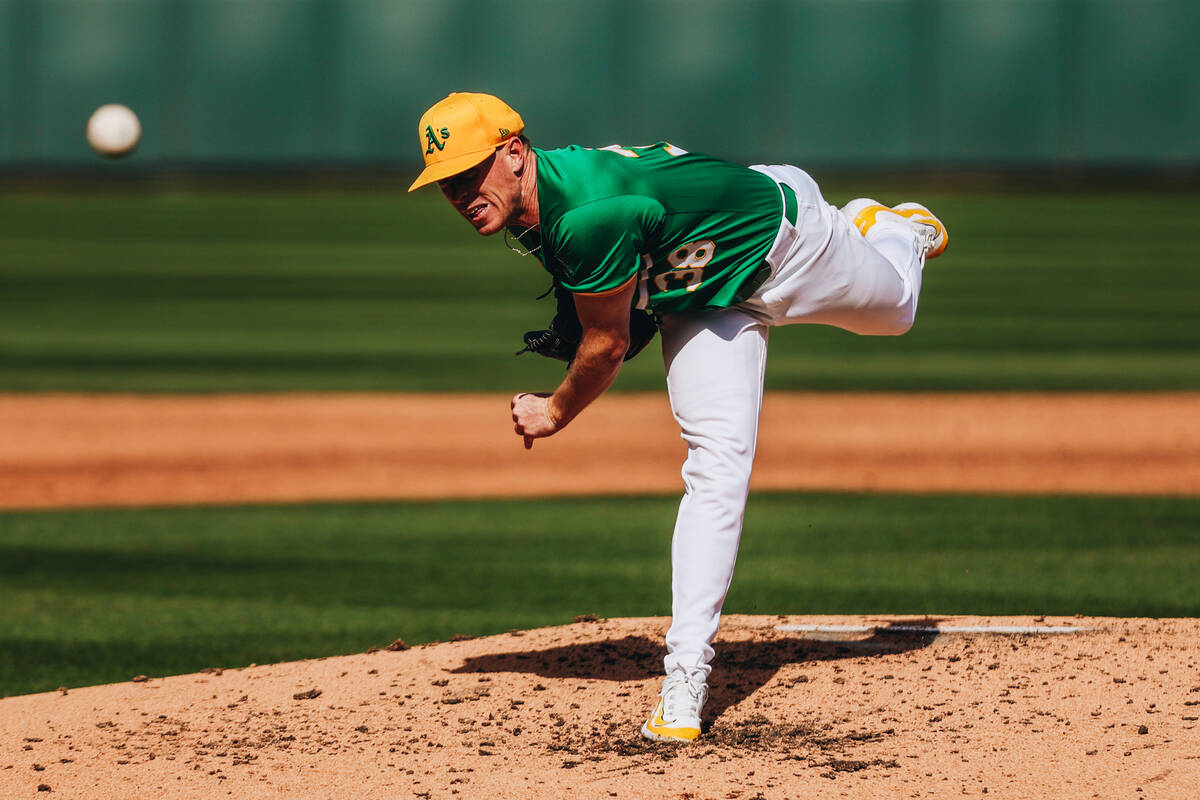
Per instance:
x=864, y=82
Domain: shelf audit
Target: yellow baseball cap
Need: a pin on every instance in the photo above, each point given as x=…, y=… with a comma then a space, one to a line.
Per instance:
x=461, y=131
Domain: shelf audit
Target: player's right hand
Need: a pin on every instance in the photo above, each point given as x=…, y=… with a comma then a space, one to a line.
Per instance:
x=532, y=417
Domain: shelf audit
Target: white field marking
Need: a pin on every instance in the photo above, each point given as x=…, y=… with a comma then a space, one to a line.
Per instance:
x=1017, y=629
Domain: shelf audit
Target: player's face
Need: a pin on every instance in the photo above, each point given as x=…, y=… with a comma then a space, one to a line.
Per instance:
x=488, y=195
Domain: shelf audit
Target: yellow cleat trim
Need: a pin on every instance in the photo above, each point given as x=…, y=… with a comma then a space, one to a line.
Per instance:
x=864, y=219
x=658, y=728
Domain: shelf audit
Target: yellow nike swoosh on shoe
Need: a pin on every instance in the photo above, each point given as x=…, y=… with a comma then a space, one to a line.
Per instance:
x=658, y=727
x=865, y=218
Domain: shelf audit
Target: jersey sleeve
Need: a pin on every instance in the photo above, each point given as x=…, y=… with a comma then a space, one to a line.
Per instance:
x=600, y=244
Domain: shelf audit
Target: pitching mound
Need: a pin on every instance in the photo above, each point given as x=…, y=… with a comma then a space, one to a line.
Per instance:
x=874, y=707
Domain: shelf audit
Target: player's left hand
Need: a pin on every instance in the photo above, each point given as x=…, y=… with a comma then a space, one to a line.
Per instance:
x=533, y=417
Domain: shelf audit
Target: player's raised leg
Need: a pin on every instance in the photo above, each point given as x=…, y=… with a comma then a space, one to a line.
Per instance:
x=826, y=271
x=715, y=365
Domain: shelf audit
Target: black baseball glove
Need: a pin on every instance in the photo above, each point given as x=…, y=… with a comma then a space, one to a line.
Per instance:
x=561, y=339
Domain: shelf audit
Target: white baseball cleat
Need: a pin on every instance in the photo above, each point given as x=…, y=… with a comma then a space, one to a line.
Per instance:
x=676, y=718
x=864, y=212
x=935, y=236
x=857, y=212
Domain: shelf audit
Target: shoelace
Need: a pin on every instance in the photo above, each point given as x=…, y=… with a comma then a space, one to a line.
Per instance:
x=678, y=704
x=928, y=234
x=534, y=344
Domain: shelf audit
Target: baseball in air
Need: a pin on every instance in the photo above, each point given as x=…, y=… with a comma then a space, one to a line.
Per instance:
x=113, y=130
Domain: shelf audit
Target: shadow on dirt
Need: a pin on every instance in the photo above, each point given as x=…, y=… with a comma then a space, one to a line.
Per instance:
x=740, y=668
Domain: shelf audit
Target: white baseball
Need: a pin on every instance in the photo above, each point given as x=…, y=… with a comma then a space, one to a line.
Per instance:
x=113, y=130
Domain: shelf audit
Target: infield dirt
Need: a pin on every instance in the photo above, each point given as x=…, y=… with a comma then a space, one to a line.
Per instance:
x=103, y=450
x=555, y=712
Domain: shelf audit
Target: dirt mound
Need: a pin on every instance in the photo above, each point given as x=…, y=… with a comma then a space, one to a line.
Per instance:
x=887, y=711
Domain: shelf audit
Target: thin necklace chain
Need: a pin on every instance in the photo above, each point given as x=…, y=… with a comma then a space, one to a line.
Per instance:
x=519, y=252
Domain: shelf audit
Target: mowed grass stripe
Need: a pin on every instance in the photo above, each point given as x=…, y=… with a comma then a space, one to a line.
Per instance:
x=99, y=596
x=380, y=290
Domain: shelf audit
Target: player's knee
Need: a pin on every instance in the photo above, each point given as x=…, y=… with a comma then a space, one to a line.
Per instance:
x=903, y=325
x=729, y=469
x=895, y=322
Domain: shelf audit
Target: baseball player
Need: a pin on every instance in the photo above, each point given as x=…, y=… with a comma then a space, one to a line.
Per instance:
x=720, y=253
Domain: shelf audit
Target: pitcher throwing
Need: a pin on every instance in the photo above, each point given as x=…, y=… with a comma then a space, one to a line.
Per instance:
x=718, y=252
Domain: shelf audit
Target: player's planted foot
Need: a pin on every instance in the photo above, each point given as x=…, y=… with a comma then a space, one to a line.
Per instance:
x=676, y=718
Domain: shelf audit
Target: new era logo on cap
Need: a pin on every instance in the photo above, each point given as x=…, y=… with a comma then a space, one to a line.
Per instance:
x=480, y=123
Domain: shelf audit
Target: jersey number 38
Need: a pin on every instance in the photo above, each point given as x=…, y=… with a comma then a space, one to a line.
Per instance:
x=687, y=265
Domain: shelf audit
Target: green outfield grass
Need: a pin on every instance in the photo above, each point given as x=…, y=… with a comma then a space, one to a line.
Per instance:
x=219, y=291
x=98, y=596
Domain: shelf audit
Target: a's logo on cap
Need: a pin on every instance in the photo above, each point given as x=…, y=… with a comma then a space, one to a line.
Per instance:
x=504, y=132
x=432, y=139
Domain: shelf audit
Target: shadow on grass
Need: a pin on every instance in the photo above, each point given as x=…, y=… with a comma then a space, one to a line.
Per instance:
x=739, y=670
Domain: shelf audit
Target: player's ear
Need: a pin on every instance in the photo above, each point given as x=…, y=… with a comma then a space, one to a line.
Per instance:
x=516, y=151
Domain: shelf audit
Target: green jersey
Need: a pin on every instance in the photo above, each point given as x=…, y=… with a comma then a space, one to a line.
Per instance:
x=695, y=230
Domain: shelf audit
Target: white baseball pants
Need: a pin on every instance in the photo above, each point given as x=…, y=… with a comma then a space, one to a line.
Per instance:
x=824, y=272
